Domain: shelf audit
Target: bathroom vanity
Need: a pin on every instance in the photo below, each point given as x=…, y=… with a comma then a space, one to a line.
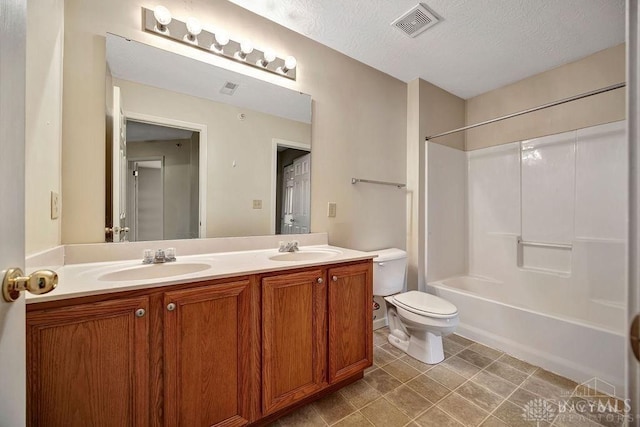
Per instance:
x=226, y=348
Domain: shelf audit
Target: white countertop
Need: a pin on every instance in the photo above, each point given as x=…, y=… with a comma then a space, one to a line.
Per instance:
x=78, y=280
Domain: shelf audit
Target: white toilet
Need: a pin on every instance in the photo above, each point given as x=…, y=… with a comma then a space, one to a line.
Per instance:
x=417, y=320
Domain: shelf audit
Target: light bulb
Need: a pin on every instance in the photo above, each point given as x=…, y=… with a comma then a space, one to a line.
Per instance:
x=194, y=27
x=162, y=15
x=269, y=55
x=246, y=47
x=222, y=38
x=290, y=63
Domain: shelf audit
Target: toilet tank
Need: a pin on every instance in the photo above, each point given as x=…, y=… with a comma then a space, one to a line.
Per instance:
x=389, y=271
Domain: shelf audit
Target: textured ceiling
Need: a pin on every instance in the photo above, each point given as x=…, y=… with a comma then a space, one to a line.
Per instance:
x=479, y=45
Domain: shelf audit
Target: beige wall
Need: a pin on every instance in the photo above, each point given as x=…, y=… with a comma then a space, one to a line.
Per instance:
x=230, y=189
x=601, y=69
x=359, y=119
x=430, y=110
x=45, y=36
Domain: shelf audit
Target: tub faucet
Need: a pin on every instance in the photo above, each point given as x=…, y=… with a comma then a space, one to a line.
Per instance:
x=291, y=246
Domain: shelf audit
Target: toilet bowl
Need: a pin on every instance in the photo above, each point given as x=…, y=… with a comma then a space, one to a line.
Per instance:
x=417, y=320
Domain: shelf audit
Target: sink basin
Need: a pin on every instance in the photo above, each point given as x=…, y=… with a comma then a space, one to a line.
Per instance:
x=303, y=255
x=153, y=271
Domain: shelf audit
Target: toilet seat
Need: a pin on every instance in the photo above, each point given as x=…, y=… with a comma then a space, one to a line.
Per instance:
x=425, y=304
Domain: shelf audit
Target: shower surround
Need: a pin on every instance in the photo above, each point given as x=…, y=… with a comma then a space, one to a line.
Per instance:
x=529, y=240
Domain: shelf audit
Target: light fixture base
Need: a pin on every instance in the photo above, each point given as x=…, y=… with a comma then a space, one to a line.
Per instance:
x=177, y=30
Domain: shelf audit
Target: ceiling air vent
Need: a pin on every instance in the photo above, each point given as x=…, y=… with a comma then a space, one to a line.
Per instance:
x=415, y=21
x=229, y=88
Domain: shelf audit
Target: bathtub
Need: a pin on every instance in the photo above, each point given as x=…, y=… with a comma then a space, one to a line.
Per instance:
x=580, y=340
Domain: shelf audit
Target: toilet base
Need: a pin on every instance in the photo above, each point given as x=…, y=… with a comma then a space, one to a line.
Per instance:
x=423, y=345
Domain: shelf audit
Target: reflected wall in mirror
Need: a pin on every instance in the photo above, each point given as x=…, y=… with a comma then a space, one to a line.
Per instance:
x=199, y=151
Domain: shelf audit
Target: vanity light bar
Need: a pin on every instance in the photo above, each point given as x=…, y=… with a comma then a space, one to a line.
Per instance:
x=160, y=22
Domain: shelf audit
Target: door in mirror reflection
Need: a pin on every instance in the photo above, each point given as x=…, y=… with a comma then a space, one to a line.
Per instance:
x=296, y=197
x=119, y=162
x=146, y=200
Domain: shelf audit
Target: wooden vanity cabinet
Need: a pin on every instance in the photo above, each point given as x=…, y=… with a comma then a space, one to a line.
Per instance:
x=223, y=353
x=294, y=339
x=350, y=308
x=89, y=362
x=207, y=355
x=317, y=330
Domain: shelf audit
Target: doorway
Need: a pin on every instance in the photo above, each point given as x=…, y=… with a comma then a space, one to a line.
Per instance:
x=162, y=182
x=292, y=188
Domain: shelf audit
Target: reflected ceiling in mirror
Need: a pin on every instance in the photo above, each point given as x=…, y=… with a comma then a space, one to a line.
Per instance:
x=244, y=167
x=141, y=63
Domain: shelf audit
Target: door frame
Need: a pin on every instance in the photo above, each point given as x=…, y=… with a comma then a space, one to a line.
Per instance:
x=633, y=135
x=202, y=157
x=275, y=143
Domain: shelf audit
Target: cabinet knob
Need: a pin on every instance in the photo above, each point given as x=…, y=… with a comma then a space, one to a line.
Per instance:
x=140, y=312
x=171, y=306
x=334, y=278
x=320, y=281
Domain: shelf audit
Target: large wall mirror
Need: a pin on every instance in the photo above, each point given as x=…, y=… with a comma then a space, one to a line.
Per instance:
x=195, y=150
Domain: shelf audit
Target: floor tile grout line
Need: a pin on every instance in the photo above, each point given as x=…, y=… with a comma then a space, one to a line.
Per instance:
x=507, y=399
x=490, y=413
x=320, y=415
x=351, y=413
x=471, y=378
x=435, y=404
x=390, y=403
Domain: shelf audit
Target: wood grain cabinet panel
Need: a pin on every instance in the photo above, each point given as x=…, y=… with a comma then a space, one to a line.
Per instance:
x=350, y=320
x=293, y=338
x=222, y=353
x=89, y=365
x=207, y=348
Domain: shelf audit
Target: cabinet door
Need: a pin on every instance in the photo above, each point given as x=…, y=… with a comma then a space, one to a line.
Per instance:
x=293, y=338
x=207, y=350
x=89, y=365
x=350, y=320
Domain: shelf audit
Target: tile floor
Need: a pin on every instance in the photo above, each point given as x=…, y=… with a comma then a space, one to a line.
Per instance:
x=475, y=385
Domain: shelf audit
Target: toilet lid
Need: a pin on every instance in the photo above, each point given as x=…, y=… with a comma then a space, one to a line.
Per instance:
x=425, y=303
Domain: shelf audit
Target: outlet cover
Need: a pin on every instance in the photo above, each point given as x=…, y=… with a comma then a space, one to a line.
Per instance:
x=257, y=204
x=55, y=205
x=331, y=210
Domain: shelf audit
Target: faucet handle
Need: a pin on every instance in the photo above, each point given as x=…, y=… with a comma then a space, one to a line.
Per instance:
x=147, y=256
x=170, y=254
x=294, y=245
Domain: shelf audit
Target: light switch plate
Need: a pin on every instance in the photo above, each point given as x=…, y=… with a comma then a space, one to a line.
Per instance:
x=257, y=204
x=331, y=210
x=55, y=205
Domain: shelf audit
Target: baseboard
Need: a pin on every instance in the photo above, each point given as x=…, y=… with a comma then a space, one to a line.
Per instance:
x=561, y=366
x=379, y=323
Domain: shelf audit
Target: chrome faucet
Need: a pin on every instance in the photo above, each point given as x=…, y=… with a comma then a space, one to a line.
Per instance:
x=291, y=246
x=160, y=256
